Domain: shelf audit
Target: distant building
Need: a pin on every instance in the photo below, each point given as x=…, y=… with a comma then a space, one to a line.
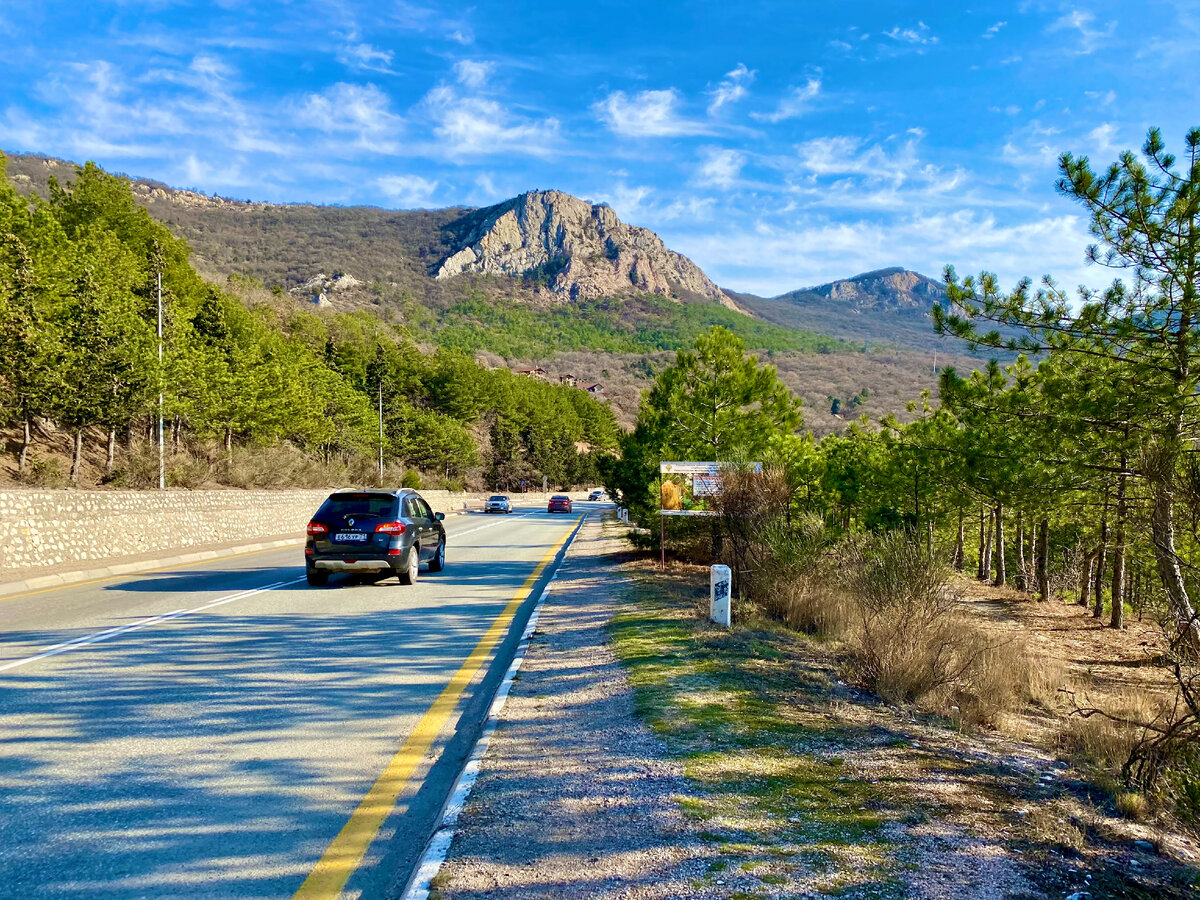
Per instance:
x=569, y=380
x=535, y=372
x=595, y=389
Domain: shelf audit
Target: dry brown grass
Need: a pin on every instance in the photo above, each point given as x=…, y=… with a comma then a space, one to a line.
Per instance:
x=1101, y=741
x=1054, y=826
x=812, y=604
x=1074, y=662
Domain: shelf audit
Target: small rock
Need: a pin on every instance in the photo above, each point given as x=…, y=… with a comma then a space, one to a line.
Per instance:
x=1145, y=846
x=1080, y=895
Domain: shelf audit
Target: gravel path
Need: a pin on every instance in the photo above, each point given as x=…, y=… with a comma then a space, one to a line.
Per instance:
x=575, y=798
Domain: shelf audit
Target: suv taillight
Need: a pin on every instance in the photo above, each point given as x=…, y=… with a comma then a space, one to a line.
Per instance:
x=317, y=528
x=390, y=528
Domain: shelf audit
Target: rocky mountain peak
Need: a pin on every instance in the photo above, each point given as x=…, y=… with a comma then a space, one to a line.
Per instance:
x=893, y=288
x=577, y=249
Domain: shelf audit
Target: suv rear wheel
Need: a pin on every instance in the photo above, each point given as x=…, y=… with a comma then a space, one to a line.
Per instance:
x=316, y=577
x=409, y=575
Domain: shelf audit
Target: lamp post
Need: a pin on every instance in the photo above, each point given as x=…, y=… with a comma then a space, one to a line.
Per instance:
x=162, y=469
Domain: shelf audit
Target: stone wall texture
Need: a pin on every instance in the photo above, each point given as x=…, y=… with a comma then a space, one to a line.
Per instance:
x=61, y=529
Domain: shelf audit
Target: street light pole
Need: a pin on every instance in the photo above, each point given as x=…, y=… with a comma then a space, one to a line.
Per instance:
x=381, y=432
x=162, y=469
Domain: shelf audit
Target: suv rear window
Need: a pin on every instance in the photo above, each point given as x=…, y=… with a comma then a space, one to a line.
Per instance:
x=372, y=505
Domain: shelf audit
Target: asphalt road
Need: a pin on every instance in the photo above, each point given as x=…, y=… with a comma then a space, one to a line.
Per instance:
x=212, y=731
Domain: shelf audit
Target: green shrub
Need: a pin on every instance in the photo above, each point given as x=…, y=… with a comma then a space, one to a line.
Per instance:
x=46, y=472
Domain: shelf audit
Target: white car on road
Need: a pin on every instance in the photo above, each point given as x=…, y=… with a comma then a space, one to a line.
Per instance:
x=498, y=503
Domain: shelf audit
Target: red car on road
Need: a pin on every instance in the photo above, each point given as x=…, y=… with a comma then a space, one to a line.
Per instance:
x=559, y=503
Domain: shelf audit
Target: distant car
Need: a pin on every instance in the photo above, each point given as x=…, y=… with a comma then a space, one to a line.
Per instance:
x=596, y=495
x=559, y=503
x=498, y=503
x=374, y=532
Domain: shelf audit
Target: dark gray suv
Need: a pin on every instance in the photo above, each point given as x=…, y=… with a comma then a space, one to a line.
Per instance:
x=374, y=532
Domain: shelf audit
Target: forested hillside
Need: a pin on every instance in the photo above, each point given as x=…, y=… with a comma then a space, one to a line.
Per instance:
x=390, y=256
x=79, y=277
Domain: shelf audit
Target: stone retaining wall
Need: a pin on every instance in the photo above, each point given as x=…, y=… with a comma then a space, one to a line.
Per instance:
x=45, y=528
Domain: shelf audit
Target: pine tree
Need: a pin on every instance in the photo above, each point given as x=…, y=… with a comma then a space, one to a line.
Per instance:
x=1146, y=215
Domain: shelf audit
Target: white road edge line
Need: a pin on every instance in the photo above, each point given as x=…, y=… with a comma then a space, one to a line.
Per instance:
x=439, y=845
x=108, y=634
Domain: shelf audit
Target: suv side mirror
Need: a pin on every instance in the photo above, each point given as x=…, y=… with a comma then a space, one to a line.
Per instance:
x=441, y=517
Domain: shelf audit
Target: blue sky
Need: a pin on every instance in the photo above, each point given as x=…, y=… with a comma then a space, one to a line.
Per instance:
x=778, y=144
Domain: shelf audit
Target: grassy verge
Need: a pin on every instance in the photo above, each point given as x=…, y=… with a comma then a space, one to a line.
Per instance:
x=802, y=785
x=747, y=713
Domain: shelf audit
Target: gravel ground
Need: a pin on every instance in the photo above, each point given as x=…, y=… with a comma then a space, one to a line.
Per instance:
x=575, y=799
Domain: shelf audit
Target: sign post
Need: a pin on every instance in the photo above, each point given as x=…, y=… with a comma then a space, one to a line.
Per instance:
x=687, y=489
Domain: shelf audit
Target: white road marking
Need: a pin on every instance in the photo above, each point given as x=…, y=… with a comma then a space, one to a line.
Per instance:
x=97, y=637
x=108, y=634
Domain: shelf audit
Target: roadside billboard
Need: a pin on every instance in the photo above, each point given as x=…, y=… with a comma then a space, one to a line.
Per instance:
x=687, y=488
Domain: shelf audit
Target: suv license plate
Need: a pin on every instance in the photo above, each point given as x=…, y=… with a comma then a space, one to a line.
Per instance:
x=349, y=536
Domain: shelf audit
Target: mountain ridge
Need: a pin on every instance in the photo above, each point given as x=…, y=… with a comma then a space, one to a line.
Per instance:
x=540, y=247
x=346, y=259
x=894, y=287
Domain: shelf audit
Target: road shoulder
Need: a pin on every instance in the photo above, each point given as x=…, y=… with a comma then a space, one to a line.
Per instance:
x=576, y=797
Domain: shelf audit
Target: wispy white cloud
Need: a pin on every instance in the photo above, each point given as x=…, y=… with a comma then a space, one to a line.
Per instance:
x=1033, y=150
x=472, y=73
x=470, y=125
x=797, y=102
x=732, y=88
x=917, y=34
x=650, y=208
x=1082, y=23
x=428, y=21
x=1102, y=138
x=647, y=114
x=848, y=155
x=1102, y=98
x=364, y=56
x=360, y=113
x=407, y=191
x=720, y=167
x=103, y=111
x=993, y=30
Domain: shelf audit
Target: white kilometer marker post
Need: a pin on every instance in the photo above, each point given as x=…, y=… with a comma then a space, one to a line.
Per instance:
x=720, y=584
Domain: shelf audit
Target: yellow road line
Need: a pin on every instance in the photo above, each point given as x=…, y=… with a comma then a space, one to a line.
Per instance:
x=129, y=576
x=344, y=854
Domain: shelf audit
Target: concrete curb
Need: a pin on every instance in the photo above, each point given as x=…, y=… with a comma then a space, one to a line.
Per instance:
x=75, y=576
